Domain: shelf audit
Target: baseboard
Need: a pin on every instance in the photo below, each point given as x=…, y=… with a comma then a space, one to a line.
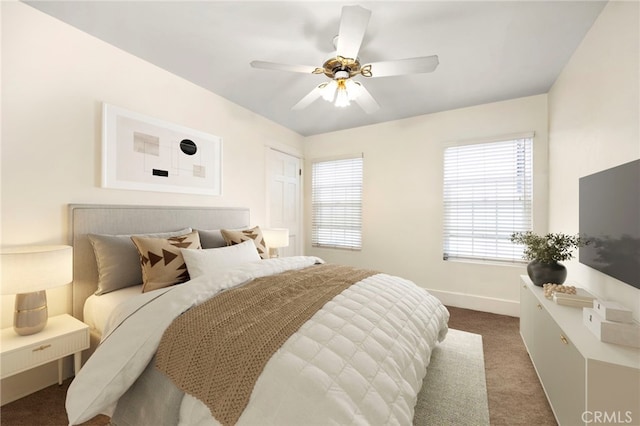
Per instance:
x=478, y=303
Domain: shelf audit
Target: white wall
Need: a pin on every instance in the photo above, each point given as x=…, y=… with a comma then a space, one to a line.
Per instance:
x=594, y=125
x=54, y=80
x=402, y=204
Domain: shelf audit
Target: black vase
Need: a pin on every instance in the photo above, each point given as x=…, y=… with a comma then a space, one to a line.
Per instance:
x=543, y=273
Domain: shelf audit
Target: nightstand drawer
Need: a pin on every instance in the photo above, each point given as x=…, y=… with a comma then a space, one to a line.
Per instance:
x=32, y=351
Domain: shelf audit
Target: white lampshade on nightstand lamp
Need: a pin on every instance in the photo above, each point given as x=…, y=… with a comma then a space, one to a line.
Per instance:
x=275, y=238
x=28, y=272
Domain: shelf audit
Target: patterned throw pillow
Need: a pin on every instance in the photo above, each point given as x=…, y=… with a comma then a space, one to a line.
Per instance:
x=237, y=236
x=161, y=260
x=118, y=260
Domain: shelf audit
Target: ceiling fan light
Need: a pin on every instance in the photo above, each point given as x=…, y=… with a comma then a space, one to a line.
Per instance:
x=329, y=91
x=342, y=97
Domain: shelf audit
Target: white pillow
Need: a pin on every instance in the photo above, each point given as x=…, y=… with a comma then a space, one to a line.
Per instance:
x=210, y=261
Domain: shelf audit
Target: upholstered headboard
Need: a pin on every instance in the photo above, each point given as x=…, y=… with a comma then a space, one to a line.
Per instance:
x=122, y=219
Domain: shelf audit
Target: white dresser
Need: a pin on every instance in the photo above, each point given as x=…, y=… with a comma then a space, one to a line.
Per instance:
x=586, y=381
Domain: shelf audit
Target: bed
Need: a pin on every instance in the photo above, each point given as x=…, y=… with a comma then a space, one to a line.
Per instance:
x=348, y=346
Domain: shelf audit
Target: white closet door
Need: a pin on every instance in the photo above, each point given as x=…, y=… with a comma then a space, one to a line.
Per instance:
x=284, y=198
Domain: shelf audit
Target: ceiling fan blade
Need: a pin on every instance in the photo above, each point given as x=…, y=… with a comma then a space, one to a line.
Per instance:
x=365, y=100
x=353, y=25
x=306, y=69
x=419, y=65
x=310, y=97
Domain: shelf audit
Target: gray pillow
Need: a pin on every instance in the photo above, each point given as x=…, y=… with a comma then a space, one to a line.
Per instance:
x=118, y=259
x=211, y=239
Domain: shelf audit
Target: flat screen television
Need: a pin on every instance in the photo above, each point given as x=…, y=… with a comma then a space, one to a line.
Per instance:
x=610, y=220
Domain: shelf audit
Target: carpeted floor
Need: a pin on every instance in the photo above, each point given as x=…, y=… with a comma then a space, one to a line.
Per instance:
x=514, y=392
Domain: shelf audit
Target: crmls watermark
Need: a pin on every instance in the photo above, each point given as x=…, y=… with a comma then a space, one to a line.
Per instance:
x=620, y=417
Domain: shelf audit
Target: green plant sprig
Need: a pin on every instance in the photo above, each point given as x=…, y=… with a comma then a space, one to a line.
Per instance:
x=550, y=248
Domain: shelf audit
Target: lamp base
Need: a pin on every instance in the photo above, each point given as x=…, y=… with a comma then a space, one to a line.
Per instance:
x=30, y=315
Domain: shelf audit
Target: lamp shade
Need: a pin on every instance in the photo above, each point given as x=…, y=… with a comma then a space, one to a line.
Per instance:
x=276, y=237
x=35, y=268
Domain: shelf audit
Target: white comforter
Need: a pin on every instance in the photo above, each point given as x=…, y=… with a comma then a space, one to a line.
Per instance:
x=359, y=360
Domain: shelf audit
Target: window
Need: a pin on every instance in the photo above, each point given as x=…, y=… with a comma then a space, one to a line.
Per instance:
x=336, y=203
x=487, y=197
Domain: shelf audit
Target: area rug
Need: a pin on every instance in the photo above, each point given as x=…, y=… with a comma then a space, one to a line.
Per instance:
x=454, y=391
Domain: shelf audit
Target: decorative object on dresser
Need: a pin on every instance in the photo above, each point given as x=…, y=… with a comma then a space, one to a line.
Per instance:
x=612, y=323
x=568, y=295
x=28, y=272
x=550, y=289
x=545, y=253
x=577, y=371
x=275, y=238
x=612, y=311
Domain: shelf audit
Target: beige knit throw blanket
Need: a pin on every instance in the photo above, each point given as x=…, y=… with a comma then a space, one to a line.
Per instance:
x=216, y=351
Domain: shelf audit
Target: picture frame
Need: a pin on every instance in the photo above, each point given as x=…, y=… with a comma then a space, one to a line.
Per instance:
x=148, y=154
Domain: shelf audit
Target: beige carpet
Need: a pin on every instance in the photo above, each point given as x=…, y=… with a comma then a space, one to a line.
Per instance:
x=514, y=392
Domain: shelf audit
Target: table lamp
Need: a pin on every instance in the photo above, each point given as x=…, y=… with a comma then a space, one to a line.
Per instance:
x=275, y=238
x=27, y=272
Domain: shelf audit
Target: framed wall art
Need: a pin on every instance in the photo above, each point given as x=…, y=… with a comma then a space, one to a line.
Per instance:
x=148, y=154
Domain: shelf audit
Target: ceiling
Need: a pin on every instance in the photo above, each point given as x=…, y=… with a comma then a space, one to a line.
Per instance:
x=488, y=50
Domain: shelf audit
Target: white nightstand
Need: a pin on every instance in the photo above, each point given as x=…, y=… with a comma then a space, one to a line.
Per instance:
x=64, y=335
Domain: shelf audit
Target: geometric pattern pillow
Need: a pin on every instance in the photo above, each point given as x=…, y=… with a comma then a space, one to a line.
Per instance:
x=236, y=236
x=118, y=260
x=161, y=260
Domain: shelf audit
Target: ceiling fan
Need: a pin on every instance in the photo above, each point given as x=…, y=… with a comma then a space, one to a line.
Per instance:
x=341, y=68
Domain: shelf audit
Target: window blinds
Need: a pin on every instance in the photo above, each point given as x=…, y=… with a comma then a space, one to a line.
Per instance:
x=487, y=196
x=336, y=198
